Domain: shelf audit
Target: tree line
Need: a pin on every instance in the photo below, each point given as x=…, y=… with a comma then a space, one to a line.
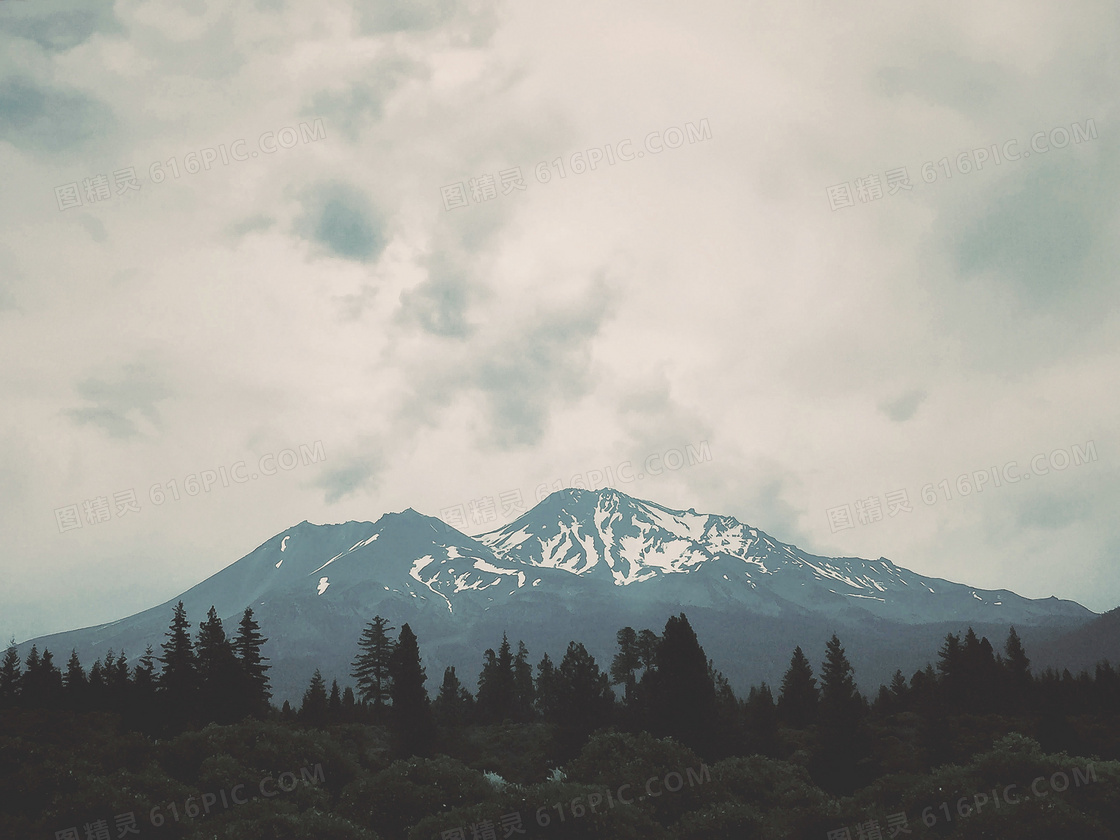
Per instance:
x=658, y=683
x=213, y=678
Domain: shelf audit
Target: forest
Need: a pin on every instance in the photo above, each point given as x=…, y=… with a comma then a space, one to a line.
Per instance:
x=187, y=743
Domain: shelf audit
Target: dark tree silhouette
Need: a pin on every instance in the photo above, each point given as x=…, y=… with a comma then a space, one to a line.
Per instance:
x=178, y=678
x=411, y=713
x=10, y=676
x=247, y=645
x=219, y=672
x=678, y=692
x=313, y=709
x=842, y=742
x=452, y=707
x=797, y=701
x=371, y=665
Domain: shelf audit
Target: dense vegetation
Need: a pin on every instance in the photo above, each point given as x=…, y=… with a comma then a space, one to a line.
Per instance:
x=657, y=745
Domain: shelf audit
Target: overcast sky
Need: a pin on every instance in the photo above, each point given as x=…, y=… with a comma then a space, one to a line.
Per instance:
x=750, y=271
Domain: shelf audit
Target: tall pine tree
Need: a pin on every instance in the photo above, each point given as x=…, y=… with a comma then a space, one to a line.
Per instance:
x=797, y=700
x=247, y=645
x=178, y=678
x=842, y=743
x=371, y=665
x=411, y=713
x=219, y=672
x=10, y=676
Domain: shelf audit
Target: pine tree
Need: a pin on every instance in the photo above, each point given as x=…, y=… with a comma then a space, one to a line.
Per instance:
x=625, y=665
x=219, y=673
x=647, y=648
x=452, y=706
x=10, y=676
x=247, y=645
x=371, y=666
x=42, y=681
x=334, y=704
x=762, y=721
x=411, y=712
x=1017, y=670
x=178, y=678
x=349, y=706
x=679, y=689
x=75, y=684
x=313, y=710
x=546, y=688
x=841, y=710
x=496, y=685
x=797, y=701
x=584, y=700
x=523, y=691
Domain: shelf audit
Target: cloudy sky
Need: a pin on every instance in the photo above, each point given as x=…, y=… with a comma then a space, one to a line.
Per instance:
x=372, y=225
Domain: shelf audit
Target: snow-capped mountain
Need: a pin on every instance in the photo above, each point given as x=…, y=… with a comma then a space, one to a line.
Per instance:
x=579, y=565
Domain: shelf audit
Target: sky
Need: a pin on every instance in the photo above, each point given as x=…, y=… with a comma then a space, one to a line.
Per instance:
x=276, y=261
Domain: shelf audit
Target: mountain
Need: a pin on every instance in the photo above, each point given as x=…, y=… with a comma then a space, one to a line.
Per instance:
x=1083, y=647
x=579, y=565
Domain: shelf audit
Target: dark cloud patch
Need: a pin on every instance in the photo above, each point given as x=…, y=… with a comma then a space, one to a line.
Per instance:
x=439, y=304
x=377, y=16
x=947, y=78
x=1046, y=234
x=342, y=221
x=116, y=403
x=360, y=472
x=38, y=118
x=253, y=224
x=546, y=363
x=56, y=28
x=903, y=408
x=1050, y=512
x=362, y=103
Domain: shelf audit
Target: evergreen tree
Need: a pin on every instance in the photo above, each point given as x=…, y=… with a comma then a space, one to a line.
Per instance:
x=42, y=682
x=797, y=701
x=679, y=691
x=583, y=700
x=453, y=704
x=1017, y=671
x=762, y=722
x=10, y=676
x=117, y=685
x=523, y=692
x=313, y=710
x=546, y=688
x=247, y=645
x=334, y=704
x=178, y=678
x=626, y=662
x=75, y=684
x=647, y=648
x=371, y=665
x=841, y=710
x=496, y=685
x=349, y=705
x=411, y=713
x=220, y=675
